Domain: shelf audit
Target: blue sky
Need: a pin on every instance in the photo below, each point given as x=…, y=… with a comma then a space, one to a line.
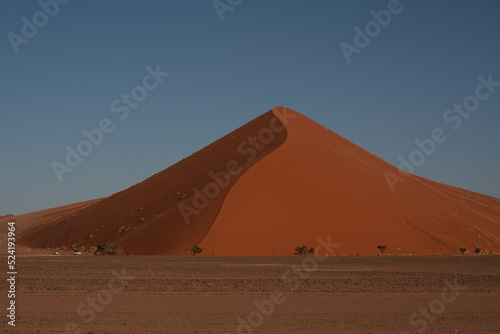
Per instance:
x=224, y=73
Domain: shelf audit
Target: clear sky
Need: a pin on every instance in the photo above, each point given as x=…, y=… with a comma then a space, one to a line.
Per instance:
x=65, y=77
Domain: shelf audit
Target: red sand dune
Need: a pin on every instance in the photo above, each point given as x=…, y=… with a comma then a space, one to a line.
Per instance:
x=25, y=221
x=146, y=218
x=276, y=190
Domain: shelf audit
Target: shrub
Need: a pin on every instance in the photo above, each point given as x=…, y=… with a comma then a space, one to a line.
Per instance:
x=107, y=249
x=304, y=250
x=194, y=249
x=477, y=250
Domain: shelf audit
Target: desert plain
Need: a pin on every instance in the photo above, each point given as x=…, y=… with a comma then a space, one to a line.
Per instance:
x=257, y=294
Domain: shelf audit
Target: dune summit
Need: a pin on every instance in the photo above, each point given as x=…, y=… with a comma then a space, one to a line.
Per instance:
x=278, y=182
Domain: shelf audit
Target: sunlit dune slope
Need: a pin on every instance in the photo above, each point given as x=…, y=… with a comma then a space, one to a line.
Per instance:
x=318, y=184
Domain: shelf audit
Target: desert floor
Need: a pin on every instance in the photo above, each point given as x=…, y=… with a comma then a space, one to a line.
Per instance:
x=205, y=294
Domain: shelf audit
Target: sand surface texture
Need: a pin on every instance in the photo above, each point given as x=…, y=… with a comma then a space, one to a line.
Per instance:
x=377, y=294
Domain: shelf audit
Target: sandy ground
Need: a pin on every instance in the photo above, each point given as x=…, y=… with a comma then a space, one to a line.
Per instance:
x=174, y=294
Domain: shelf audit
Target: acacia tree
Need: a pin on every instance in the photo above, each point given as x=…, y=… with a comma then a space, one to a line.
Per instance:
x=382, y=248
x=463, y=250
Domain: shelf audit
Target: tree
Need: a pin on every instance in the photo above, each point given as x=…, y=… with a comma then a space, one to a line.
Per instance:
x=194, y=249
x=463, y=250
x=304, y=250
x=382, y=248
x=107, y=249
x=477, y=250
x=301, y=250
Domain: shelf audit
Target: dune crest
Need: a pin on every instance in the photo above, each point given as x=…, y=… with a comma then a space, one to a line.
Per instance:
x=174, y=208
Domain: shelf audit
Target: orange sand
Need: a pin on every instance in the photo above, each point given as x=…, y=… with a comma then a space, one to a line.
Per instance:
x=318, y=183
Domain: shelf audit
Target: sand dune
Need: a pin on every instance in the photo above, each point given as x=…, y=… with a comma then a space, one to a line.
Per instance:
x=278, y=182
x=38, y=218
x=165, y=213
x=318, y=183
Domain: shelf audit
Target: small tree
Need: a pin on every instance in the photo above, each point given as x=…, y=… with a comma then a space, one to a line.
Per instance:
x=194, y=249
x=477, y=250
x=382, y=248
x=304, y=250
x=107, y=249
x=463, y=250
x=301, y=250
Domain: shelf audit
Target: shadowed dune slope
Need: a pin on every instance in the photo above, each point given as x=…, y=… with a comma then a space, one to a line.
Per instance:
x=171, y=210
x=318, y=184
x=27, y=220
